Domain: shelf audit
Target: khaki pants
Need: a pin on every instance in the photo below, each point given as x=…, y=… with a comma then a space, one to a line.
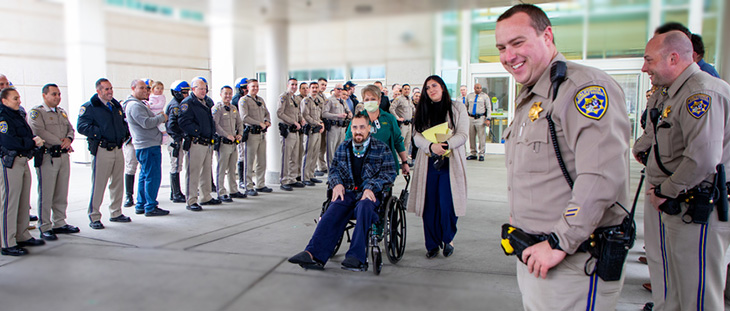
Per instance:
x=226, y=158
x=15, y=200
x=176, y=163
x=130, y=159
x=567, y=287
x=406, y=131
x=106, y=166
x=696, y=265
x=654, y=247
x=53, y=176
x=198, y=173
x=255, y=157
x=311, y=154
x=477, y=129
x=300, y=156
x=321, y=159
x=289, y=153
x=335, y=136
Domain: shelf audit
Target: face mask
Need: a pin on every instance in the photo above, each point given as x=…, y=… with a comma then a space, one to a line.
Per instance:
x=371, y=106
x=359, y=149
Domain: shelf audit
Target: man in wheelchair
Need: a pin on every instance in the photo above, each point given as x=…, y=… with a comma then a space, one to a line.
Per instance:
x=360, y=168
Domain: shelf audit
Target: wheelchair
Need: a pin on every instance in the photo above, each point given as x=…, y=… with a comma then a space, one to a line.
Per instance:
x=389, y=229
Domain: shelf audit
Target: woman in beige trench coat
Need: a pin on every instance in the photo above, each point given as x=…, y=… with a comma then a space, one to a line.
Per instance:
x=438, y=193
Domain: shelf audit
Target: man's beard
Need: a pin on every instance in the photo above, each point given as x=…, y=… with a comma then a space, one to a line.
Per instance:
x=360, y=138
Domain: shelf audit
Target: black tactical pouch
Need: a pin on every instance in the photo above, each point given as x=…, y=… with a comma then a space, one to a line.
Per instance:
x=671, y=206
x=283, y=130
x=610, y=246
x=327, y=125
x=39, y=153
x=244, y=135
x=55, y=151
x=8, y=160
x=699, y=206
x=217, y=143
x=187, y=142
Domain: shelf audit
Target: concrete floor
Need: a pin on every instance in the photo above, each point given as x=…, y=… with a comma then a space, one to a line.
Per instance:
x=233, y=257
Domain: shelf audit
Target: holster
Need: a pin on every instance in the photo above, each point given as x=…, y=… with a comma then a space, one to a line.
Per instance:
x=39, y=153
x=93, y=147
x=55, y=151
x=699, y=206
x=175, y=148
x=610, y=246
x=244, y=135
x=8, y=160
x=187, y=142
x=283, y=130
x=327, y=125
x=217, y=143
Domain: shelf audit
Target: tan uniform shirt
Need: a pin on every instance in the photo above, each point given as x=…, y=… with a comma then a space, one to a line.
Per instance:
x=482, y=102
x=692, y=132
x=288, y=111
x=227, y=122
x=298, y=99
x=333, y=107
x=312, y=110
x=253, y=110
x=402, y=107
x=51, y=126
x=646, y=140
x=593, y=132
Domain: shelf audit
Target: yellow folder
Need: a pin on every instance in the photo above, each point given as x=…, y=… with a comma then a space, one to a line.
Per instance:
x=439, y=134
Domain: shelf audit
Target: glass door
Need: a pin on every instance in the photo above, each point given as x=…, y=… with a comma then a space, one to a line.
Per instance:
x=500, y=90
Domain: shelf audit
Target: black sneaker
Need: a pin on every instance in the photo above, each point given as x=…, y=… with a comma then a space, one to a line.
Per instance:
x=157, y=212
x=120, y=218
x=353, y=264
x=252, y=192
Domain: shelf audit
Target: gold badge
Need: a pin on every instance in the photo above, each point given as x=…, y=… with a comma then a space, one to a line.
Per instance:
x=535, y=111
x=666, y=112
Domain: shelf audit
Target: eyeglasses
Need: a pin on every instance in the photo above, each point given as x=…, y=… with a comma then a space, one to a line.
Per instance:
x=339, y=89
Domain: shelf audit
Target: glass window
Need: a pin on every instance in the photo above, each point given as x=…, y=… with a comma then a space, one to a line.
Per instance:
x=319, y=73
x=337, y=74
x=630, y=84
x=452, y=78
x=497, y=88
x=300, y=75
x=261, y=76
x=359, y=73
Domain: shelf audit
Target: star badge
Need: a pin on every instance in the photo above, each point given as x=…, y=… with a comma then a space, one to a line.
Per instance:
x=535, y=111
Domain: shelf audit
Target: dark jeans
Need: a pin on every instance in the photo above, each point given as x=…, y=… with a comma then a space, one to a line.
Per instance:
x=150, y=176
x=439, y=219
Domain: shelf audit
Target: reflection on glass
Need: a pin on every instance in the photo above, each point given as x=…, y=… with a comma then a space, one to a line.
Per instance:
x=630, y=84
x=497, y=88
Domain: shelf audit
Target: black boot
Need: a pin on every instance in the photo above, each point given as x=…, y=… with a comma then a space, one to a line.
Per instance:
x=175, y=193
x=129, y=189
x=241, y=182
x=212, y=183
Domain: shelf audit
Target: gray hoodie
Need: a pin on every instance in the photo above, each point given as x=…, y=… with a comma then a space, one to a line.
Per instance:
x=143, y=124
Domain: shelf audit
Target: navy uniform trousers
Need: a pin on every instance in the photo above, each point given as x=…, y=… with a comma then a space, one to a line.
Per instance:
x=333, y=223
x=439, y=219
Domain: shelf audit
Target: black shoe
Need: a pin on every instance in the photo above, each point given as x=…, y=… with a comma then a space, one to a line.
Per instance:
x=178, y=199
x=31, y=242
x=286, y=188
x=353, y=264
x=647, y=307
x=315, y=180
x=139, y=211
x=66, y=229
x=308, y=183
x=48, y=235
x=157, y=212
x=33, y=218
x=448, y=250
x=129, y=190
x=299, y=178
x=238, y=195
x=481, y=158
x=471, y=157
x=297, y=185
x=195, y=207
x=319, y=173
x=120, y=218
x=212, y=201
x=129, y=202
x=264, y=189
x=252, y=193
x=432, y=253
x=96, y=225
x=306, y=261
x=225, y=198
x=14, y=251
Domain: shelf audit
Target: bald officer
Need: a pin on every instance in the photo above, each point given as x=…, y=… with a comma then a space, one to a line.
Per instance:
x=477, y=105
x=692, y=135
x=101, y=120
x=50, y=122
x=196, y=121
x=335, y=113
x=592, y=133
x=255, y=116
x=291, y=119
x=403, y=109
x=229, y=128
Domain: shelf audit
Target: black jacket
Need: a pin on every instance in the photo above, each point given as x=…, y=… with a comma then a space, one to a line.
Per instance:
x=172, y=125
x=384, y=102
x=98, y=123
x=195, y=118
x=15, y=133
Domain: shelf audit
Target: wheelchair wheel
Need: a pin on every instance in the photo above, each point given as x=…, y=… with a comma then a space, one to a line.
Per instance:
x=395, y=233
x=377, y=257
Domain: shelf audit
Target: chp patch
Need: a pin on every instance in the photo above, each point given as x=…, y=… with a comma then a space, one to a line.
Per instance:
x=175, y=110
x=571, y=212
x=33, y=114
x=3, y=127
x=592, y=102
x=698, y=104
x=215, y=109
x=184, y=107
x=82, y=110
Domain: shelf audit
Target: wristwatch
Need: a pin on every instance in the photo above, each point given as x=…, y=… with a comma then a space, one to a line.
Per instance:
x=554, y=241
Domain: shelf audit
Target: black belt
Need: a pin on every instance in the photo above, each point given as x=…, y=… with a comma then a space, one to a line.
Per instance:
x=405, y=122
x=255, y=129
x=478, y=115
x=203, y=141
x=340, y=123
x=109, y=146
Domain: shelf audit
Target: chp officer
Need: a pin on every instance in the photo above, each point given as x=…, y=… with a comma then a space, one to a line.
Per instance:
x=335, y=115
x=179, y=90
x=591, y=129
x=402, y=109
x=290, y=126
x=101, y=120
x=241, y=89
x=477, y=105
x=256, y=118
x=229, y=130
x=691, y=134
x=321, y=160
x=312, y=113
x=196, y=122
x=303, y=91
x=50, y=122
x=16, y=148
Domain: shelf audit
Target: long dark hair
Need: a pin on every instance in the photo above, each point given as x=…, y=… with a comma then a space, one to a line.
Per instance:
x=429, y=113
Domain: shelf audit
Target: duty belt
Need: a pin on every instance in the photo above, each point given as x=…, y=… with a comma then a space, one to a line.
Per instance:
x=405, y=122
x=109, y=146
x=203, y=141
x=478, y=115
x=340, y=123
x=255, y=129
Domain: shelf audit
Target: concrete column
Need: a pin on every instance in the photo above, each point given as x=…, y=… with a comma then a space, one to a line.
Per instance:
x=231, y=45
x=85, y=59
x=694, y=21
x=722, y=62
x=465, y=35
x=277, y=71
x=655, y=17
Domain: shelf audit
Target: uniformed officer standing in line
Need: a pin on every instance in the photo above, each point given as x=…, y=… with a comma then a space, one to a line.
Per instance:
x=229, y=128
x=691, y=137
x=477, y=105
x=312, y=113
x=196, y=121
x=101, y=120
x=322, y=159
x=16, y=148
x=303, y=93
x=462, y=98
x=51, y=123
x=592, y=133
x=336, y=114
x=291, y=119
x=179, y=90
x=255, y=116
x=241, y=89
x=403, y=109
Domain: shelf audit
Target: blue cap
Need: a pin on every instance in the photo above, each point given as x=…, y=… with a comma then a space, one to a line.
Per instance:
x=241, y=82
x=180, y=85
x=148, y=81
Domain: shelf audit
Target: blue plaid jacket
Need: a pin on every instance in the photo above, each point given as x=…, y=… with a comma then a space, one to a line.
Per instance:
x=378, y=169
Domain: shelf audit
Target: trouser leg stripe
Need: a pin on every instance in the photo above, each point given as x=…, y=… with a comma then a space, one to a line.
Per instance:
x=591, y=302
x=702, y=266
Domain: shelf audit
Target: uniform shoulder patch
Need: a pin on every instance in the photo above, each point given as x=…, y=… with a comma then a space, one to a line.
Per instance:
x=698, y=104
x=184, y=107
x=3, y=127
x=214, y=110
x=33, y=114
x=82, y=110
x=592, y=102
x=175, y=110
